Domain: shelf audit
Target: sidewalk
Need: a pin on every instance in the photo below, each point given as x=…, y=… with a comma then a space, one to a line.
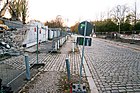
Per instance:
x=48, y=79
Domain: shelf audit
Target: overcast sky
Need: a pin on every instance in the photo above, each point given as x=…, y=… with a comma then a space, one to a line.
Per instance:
x=74, y=10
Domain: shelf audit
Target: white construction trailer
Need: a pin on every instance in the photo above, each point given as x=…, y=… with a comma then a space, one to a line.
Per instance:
x=31, y=34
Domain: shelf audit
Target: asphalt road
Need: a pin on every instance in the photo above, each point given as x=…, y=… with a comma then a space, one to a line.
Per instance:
x=114, y=68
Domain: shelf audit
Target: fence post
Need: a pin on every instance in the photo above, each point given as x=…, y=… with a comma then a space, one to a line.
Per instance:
x=68, y=73
x=68, y=68
x=27, y=67
x=73, y=46
x=37, y=44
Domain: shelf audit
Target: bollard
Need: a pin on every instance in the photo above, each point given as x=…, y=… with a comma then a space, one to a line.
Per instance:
x=68, y=68
x=73, y=46
x=58, y=44
x=27, y=67
x=68, y=73
x=55, y=46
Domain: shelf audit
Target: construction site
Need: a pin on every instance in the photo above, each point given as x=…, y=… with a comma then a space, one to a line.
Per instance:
x=38, y=57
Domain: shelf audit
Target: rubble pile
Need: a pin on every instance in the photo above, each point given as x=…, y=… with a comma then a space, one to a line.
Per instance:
x=14, y=38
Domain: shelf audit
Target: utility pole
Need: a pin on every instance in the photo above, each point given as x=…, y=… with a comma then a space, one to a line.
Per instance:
x=37, y=44
x=119, y=17
x=135, y=21
x=135, y=16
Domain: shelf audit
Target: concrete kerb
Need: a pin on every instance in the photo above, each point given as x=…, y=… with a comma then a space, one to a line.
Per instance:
x=122, y=44
x=92, y=85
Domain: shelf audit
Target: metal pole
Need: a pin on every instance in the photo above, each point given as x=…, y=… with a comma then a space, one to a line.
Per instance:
x=119, y=27
x=68, y=73
x=68, y=68
x=82, y=54
x=37, y=45
x=118, y=17
x=94, y=28
x=134, y=23
x=27, y=67
x=135, y=16
x=73, y=47
x=53, y=43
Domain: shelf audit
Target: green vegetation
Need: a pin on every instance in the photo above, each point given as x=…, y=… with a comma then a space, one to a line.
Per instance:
x=137, y=26
x=120, y=15
x=105, y=26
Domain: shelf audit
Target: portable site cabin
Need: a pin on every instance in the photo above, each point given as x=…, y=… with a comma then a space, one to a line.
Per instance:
x=53, y=33
x=31, y=34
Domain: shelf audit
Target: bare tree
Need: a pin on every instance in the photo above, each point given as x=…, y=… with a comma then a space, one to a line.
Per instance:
x=59, y=21
x=15, y=9
x=18, y=10
x=24, y=10
x=56, y=23
x=119, y=13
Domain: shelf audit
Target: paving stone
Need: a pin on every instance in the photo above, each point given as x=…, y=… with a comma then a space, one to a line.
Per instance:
x=117, y=83
x=115, y=88
x=129, y=87
x=137, y=90
x=103, y=89
x=122, y=87
x=108, y=88
x=114, y=91
x=122, y=91
x=129, y=90
x=114, y=85
x=108, y=92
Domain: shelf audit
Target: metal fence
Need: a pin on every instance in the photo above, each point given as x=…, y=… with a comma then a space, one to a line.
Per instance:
x=12, y=68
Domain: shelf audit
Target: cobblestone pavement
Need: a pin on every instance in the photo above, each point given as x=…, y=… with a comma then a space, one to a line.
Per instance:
x=47, y=82
x=12, y=67
x=115, y=69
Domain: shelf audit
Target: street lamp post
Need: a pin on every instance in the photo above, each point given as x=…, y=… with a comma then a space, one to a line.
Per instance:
x=133, y=32
x=118, y=17
x=94, y=28
x=119, y=26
